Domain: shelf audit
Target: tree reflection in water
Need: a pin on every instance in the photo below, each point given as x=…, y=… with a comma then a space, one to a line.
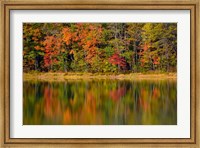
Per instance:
x=100, y=102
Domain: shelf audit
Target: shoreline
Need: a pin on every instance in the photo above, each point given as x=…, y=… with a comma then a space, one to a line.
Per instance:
x=61, y=76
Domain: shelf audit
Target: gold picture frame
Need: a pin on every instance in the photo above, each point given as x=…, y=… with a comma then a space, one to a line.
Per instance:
x=7, y=5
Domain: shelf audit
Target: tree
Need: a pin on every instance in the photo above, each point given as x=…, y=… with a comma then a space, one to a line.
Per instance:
x=115, y=59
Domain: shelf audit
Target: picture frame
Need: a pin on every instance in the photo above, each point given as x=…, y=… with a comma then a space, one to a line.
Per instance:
x=192, y=5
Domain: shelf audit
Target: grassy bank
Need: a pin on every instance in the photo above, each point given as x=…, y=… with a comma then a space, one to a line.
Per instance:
x=50, y=76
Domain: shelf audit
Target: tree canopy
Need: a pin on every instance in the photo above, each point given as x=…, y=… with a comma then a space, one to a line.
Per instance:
x=100, y=47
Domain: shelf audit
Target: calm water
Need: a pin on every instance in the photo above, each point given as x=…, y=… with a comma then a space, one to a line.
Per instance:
x=104, y=102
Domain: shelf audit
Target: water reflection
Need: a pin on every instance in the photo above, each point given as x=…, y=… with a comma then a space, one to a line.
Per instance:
x=106, y=102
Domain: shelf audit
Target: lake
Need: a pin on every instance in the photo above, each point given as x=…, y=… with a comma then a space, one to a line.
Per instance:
x=100, y=102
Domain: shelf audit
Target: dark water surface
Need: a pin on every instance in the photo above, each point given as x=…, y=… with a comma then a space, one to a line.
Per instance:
x=100, y=102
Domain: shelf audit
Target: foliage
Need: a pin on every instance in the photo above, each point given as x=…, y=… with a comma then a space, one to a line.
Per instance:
x=100, y=47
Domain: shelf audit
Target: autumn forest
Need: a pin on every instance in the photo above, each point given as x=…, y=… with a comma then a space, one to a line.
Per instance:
x=100, y=47
x=99, y=73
